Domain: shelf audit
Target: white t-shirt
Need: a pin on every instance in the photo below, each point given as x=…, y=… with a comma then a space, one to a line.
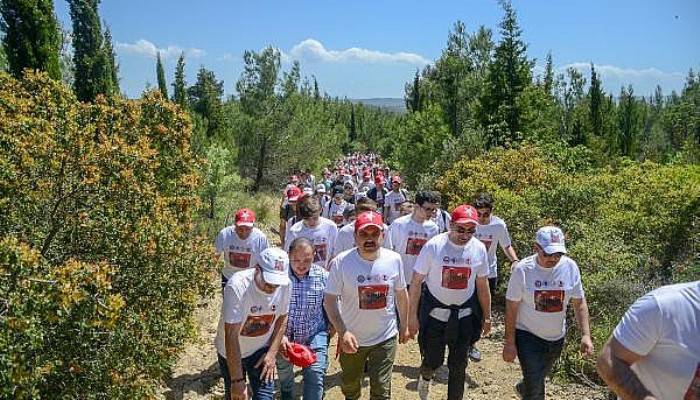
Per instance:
x=322, y=236
x=664, y=327
x=368, y=292
x=492, y=235
x=346, y=239
x=544, y=294
x=238, y=254
x=393, y=201
x=334, y=211
x=408, y=238
x=254, y=309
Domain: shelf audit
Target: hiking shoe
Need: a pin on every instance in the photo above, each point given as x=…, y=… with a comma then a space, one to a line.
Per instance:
x=475, y=354
x=423, y=388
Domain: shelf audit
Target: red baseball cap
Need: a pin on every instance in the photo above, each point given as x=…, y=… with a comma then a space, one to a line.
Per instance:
x=465, y=214
x=245, y=217
x=293, y=193
x=368, y=218
x=301, y=355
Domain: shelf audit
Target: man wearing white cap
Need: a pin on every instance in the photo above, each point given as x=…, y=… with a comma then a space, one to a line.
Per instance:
x=370, y=280
x=539, y=291
x=654, y=352
x=238, y=243
x=322, y=195
x=252, y=325
x=455, y=302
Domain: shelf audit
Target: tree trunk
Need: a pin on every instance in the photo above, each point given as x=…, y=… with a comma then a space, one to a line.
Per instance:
x=261, y=166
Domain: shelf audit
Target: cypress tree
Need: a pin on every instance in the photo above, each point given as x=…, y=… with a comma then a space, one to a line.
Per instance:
x=112, y=57
x=595, y=96
x=93, y=75
x=179, y=84
x=32, y=39
x=160, y=75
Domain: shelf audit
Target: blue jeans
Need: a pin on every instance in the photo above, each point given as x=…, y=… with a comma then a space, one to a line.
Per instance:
x=261, y=390
x=313, y=375
x=537, y=356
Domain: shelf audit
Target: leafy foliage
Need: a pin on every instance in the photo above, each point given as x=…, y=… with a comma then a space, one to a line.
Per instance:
x=100, y=270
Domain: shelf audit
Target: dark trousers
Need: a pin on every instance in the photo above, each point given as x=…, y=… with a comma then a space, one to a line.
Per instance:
x=493, y=282
x=433, y=340
x=261, y=390
x=537, y=356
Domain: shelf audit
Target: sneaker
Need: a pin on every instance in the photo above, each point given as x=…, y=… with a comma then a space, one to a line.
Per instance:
x=423, y=388
x=475, y=354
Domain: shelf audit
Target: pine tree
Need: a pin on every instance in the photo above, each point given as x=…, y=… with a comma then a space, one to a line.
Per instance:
x=353, y=125
x=413, y=95
x=595, y=96
x=548, y=80
x=92, y=63
x=509, y=74
x=32, y=38
x=112, y=56
x=179, y=84
x=205, y=98
x=160, y=75
x=317, y=92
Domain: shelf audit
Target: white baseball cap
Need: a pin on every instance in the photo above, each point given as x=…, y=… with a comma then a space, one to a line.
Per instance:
x=274, y=263
x=320, y=188
x=551, y=240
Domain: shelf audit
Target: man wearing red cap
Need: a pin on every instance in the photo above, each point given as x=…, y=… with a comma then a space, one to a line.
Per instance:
x=366, y=181
x=455, y=302
x=238, y=243
x=370, y=281
x=288, y=212
x=394, y=199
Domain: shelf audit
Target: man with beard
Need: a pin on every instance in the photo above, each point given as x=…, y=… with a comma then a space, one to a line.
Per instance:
x=370, y=281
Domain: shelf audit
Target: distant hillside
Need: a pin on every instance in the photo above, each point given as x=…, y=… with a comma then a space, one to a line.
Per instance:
x=391, y=104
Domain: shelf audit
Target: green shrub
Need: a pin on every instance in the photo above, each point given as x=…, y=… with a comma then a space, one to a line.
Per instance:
x=100, y=267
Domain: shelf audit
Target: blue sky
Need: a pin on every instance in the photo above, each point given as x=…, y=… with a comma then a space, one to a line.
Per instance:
x=363, y=49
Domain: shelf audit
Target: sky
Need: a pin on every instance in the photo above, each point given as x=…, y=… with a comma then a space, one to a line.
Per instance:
x=366, y=49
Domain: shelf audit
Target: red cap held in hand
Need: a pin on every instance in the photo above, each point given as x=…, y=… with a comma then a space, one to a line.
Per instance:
x=300, y=355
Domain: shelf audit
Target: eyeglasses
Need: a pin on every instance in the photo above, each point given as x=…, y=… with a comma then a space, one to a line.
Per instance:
x=553, y=255
x=463, y=231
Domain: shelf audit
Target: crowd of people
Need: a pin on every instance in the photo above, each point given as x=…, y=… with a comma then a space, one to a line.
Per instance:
x=365, y=262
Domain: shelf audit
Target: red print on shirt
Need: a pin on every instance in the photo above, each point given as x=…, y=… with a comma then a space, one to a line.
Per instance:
x=455, y=277
x=320, y=252
x=414, y=245
x=549, y=300
x=372, y=297
x=257, y=325
x=239, y=260
x=693, y=392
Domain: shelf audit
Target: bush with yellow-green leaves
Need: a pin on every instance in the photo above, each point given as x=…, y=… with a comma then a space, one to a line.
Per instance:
x=630, y=226
x=100, y=268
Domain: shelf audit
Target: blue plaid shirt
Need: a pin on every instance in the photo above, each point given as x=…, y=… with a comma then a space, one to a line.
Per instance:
x=306, y=317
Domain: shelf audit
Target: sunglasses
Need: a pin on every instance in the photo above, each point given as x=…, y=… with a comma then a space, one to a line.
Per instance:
x=463, y=231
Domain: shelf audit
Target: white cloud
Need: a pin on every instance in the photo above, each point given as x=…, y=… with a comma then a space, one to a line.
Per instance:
x=626, y=74
x=145, y=48
x=313, y=50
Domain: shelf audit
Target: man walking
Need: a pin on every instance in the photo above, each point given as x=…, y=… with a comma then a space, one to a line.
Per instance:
x=320, y=231
x=370, y=280
x=238, y=243
x=455, y=302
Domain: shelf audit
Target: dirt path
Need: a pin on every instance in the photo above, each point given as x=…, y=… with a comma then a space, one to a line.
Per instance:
x=196, y=375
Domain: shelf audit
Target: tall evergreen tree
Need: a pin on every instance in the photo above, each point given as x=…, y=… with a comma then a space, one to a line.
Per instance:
x=628, y=120
x=353, y=124
x=509, y=74
x=317, y=91
x=112, y=56
x=92, y=63
x=548, y=80
x=413, y=94
x=205, y=98
x=179, y=84
x=595, y=103
x=160, y=76
x=32, y=38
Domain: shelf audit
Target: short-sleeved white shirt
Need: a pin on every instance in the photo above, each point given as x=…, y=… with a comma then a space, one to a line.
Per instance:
x=544, y=294
x=408, y=238
x=254, y=309
x=663, y=326
x=368, y=291
x=322, y=236
x=491, y=235
x=238, y=254
x=346, y=238
x=393, y=201
x=334, y=211
x=442, y=219
x=451, y=270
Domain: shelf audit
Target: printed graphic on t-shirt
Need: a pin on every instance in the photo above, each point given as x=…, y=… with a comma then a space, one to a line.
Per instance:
x=455, y=277
x=549, y=300
x=372, y=297
x=320, y=252
x=257, y=325
x=693, y=392
x=414, y=245
x=239, y=260
x=338, y=219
